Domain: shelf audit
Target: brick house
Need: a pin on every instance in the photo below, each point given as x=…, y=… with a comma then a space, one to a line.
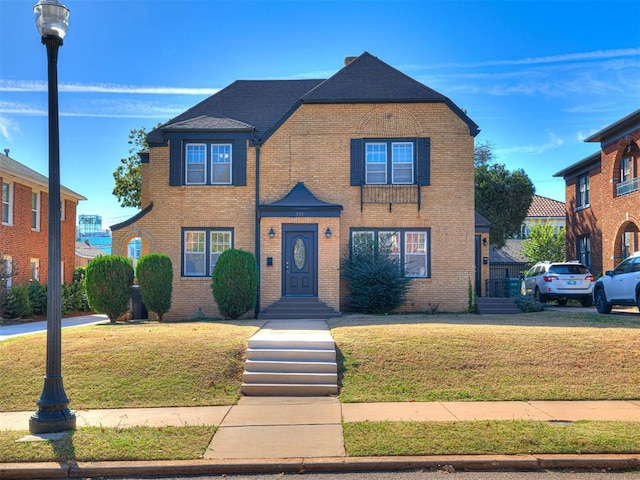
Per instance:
x=24, y=230
x=603, y=197
x=297, y=171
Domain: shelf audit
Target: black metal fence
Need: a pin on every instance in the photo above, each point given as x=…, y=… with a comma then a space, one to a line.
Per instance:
x=504, y=279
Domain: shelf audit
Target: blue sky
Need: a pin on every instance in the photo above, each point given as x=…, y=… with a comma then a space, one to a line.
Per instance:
x=537, y=77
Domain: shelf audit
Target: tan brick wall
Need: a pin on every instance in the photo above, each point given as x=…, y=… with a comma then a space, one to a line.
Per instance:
x=313, y=147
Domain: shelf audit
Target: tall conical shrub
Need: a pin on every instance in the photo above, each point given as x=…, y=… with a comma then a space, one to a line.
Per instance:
x=109, y=279
x=235, y=283
x=155, y=278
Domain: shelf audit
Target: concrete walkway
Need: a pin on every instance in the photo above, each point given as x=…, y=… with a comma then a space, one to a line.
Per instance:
x=308, y=427
x=9, y=331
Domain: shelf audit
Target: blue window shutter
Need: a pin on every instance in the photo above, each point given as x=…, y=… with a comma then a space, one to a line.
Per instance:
x=357, y=162
x=175, y=163
x=239, y=162
x=424, y=161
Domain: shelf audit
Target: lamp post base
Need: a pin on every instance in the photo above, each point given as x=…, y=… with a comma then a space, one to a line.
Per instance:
x=52, y=421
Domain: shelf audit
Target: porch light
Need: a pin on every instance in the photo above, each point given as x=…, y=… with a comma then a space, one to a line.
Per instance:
x=272, y=233
x=327, y=232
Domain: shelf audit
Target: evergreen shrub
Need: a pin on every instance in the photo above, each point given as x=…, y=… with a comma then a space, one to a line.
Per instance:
x=375, y=280
x=108, y=281
x=235, y=283
x=155, y=278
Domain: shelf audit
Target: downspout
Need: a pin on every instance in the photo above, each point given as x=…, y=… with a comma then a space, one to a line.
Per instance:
x=257, y=228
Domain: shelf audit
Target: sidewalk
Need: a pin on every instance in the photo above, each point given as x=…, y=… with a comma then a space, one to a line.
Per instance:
x=294, y=434
x=8, y=331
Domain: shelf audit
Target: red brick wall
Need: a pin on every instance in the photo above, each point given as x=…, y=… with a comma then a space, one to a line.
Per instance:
x=608, y=215
x=22, y=243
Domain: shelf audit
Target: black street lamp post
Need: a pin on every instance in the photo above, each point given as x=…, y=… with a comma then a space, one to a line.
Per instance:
x=53, y=414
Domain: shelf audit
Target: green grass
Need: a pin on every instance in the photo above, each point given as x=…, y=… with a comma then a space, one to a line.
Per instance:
x=131, y=365
x=547, y=355
x=489, y=437
x=110, y=444
x=538, y=356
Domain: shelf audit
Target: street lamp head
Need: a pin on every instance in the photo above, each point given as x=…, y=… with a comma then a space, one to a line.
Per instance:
x=52, y=18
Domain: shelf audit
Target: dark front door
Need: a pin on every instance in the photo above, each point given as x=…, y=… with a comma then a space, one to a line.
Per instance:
x=300, y=260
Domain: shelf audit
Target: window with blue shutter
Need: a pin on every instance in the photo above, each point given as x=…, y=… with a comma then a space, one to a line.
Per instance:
x=390, y=161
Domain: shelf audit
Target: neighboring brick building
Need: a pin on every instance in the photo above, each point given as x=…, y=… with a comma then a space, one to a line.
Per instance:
x=603, y=197
x=296, y=171
x=24, y=230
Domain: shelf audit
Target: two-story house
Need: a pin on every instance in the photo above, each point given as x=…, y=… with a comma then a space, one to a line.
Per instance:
x=297, y=171
x=23, y=229
x=603, y=197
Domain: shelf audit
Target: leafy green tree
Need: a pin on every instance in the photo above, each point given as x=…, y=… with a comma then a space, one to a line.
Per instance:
x=108, y=281
x=503, y=197
x=375, y=280
x=235, y=282
x=128, y=175
x=544, y=243
x=155, y=278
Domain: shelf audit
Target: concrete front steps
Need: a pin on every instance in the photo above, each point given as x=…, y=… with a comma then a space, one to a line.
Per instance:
x=298, y=308
x=496, y=306
x=291, y=358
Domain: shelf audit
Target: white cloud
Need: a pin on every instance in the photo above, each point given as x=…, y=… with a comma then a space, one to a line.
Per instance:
x=7, y=127
x=39, y=86
x=553, y=143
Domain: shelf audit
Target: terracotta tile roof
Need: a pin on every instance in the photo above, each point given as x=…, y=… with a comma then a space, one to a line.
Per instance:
x=546, y=207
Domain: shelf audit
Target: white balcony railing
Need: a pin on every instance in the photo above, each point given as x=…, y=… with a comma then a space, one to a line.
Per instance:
x=628, y=186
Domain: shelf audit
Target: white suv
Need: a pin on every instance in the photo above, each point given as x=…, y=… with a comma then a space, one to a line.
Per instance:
x=559, y=281
x=620, y=286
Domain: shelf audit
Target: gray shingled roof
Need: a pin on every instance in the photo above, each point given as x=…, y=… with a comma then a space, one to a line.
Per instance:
x=9, y=166
x=262, y=105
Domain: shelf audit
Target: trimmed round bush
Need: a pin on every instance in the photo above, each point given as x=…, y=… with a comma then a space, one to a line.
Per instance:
x=235, y=283
x=155, y=278
x=108, y=280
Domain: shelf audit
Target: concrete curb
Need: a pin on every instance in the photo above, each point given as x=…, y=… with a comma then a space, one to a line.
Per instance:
x=450, y=463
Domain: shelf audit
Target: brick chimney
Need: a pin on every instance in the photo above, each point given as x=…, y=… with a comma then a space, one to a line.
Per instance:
x=348, y=60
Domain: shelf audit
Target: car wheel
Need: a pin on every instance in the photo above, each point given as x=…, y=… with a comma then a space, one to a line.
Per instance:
x=586, y=302
x=601, y=301
x=538, y=296
x=562, y=302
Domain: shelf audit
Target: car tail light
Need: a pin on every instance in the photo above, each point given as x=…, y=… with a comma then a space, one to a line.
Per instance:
x=590, y=278
x=549, y=278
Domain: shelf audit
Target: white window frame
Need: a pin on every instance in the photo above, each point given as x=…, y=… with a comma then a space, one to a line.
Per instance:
x=35, y=211
x=7, y=203
x=34, y=269
x=210, y=243
x=583, y=191
x=221, y=151
x=626, y=168
x=414, y=254
x=189, y=252
x=6, y=271
x=402, y=245
x=219, y=241
x=63, y=212
x=397, y=165
x=190, y=147
x=372, y=158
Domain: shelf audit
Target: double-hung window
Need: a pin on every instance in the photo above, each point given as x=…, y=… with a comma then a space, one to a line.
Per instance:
x=409, y=247
x=584, y=250
x=208, y=164
x=582, y=193
x=626, y=168
x=201, y=249
x=7, y=203
x=389, y=162
x=35, y=211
